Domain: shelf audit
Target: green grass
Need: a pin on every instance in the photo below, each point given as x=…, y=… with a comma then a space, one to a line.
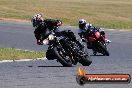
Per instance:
x=14, y=54
x=103, y=13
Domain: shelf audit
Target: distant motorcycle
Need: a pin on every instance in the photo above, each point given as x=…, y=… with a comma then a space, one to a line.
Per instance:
x=67, y=52
x=97, y=43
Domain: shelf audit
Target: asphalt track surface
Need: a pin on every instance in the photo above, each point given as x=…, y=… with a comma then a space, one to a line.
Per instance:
x=51, y=74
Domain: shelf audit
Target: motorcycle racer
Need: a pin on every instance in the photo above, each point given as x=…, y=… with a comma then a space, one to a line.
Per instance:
x=43, y=26
x=85, y=28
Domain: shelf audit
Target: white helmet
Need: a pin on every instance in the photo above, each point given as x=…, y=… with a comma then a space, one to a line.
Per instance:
x=37, y=17
x=82, y=23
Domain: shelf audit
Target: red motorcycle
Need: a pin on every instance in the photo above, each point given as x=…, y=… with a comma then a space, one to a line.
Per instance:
x=97, y=42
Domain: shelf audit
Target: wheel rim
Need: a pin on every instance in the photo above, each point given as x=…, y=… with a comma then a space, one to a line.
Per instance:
x=66, y=58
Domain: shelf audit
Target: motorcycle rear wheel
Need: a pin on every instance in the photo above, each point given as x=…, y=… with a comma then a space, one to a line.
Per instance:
x=85, y=60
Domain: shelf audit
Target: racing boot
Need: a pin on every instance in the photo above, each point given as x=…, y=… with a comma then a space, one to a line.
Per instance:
x=89, y=45
x=80, y=44
x=94, y=52
x=107, y=41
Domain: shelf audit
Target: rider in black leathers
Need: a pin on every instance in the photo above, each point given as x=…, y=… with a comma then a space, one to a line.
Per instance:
x=42, y=26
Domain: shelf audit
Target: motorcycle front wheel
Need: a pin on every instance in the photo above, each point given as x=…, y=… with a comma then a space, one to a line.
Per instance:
x=63, y=59
x=104, y=50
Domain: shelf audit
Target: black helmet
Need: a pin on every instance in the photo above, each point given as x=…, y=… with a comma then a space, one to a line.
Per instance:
x=82, y=23
x=36, y=19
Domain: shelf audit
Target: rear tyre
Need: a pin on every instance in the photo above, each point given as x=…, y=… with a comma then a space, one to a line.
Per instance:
x=85, y=60
x=61, y=58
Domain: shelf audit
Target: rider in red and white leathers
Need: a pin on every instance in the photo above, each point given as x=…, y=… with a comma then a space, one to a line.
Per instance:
x=85, y=27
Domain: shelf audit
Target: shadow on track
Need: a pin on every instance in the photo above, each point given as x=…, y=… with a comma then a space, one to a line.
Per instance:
x=55, y=66
x=48, y=66
x=97, y=55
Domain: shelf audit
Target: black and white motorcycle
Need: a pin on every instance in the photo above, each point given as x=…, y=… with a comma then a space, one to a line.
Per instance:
x=66, y=51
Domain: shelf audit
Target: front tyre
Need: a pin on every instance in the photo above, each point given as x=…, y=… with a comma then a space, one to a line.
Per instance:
x=104, y=49
x=50, y=55
x=64, y=60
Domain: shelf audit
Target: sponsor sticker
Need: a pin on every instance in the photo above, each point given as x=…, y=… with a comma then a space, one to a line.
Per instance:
x=83, y=78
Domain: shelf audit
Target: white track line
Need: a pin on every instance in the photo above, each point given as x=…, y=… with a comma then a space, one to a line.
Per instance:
x=3, y=61
x=111, y=29
x=116, y=29
x=125, y=30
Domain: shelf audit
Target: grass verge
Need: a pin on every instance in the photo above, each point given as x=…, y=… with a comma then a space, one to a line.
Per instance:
x=104, y=13
x=14, y=54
